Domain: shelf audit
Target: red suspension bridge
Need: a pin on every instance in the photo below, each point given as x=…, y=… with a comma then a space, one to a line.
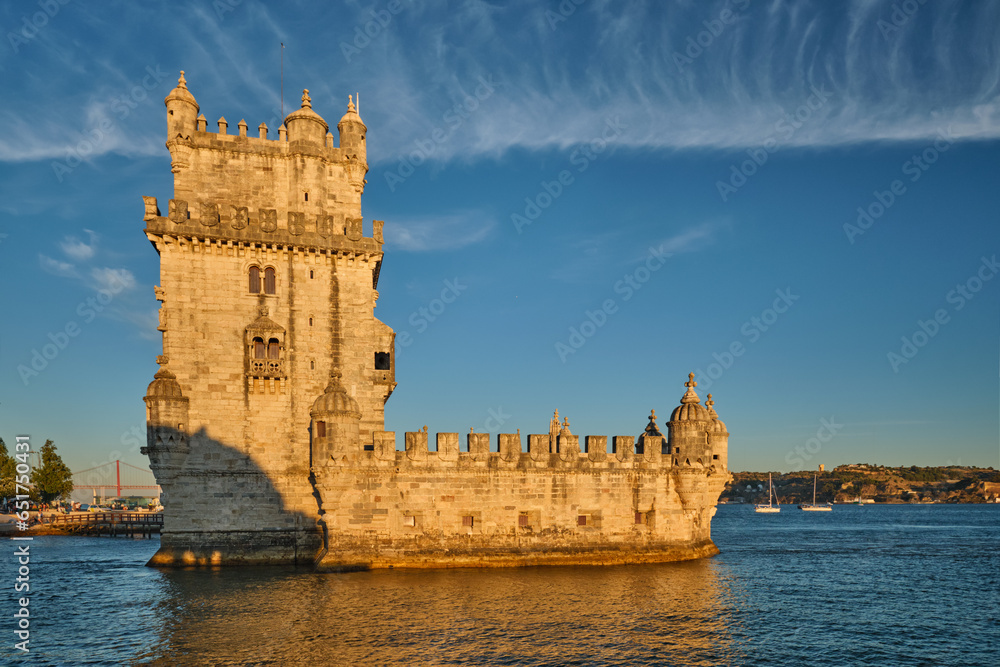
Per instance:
x=111, y=478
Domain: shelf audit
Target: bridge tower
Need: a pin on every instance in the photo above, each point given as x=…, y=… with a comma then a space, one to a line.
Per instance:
x=267, y=289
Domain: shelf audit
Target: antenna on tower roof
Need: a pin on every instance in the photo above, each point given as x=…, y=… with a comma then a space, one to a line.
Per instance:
x=282, y=82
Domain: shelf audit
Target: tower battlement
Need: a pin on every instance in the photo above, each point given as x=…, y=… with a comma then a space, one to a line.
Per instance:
x=266, y=419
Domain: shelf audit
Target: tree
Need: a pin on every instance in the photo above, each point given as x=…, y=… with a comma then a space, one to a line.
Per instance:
x=8, y=469
x=53, y=480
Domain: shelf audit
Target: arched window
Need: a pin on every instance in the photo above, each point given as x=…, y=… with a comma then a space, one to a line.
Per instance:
x=258, y=348
x=254, y=280
x=273, y=351
x=269, y=286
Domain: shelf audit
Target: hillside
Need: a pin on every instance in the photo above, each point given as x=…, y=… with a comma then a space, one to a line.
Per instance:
x=949, y=484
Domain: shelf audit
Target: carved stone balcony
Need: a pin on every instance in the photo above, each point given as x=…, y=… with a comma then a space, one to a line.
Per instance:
x=266, y=368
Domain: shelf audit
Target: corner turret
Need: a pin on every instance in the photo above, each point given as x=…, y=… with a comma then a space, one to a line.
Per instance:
x=352, y=133
x=182, y=111
x=688, y=430
x=306, y=125
x=336, y=420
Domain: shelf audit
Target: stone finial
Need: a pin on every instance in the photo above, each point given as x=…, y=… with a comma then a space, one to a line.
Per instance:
x=472, y=430
x=262, y=128
x=282, y=133
x=243, y=127
x=690, y=396
x=181, y=81
x=652, y=416
x=565, y=427
x=350, y=104
x=223, y=124
x=161, y=359
x=306, y=100
x=708, y=401
x=201, y=123
x=425, y=429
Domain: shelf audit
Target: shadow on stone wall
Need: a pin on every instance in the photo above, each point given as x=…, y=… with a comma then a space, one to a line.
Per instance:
x=222, y=508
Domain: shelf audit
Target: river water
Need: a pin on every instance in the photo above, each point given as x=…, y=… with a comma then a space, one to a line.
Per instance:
x=873, y=585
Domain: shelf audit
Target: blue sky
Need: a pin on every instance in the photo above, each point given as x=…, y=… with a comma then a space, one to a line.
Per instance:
x=796, y=200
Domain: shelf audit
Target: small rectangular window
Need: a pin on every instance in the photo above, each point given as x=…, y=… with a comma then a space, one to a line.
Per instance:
x=320, y=429
x=382, y=361
x=715, y=457
x=409, y=521
x=467, y=521
x=307, y=196
x=581, y=520
x=640, y=518
x=522, y=520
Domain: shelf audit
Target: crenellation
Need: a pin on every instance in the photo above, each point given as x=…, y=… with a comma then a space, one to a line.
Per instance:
x=266, y=432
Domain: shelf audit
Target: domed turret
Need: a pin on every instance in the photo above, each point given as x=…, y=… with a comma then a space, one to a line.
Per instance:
x=688, y=429
x=336, y=420
x=335, y=401
x=182, y=110
x=651, y=440
x=352, y=132
x=305, y=124
x=166, y=417
x=164, y=385
x=690, y=408
x=717, y=425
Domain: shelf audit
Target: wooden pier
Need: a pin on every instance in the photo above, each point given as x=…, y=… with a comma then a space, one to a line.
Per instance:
x=126, y=524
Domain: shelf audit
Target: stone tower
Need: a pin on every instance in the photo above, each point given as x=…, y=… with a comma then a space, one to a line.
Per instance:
x=267, y=285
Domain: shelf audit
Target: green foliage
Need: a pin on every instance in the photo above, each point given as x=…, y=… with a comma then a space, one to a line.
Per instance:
x=53, y=480
x=8, y=469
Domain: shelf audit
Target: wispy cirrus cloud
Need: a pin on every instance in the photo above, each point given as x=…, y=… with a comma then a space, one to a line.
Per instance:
x=57, y=267
x=79, y=250
x=447, y=232
x=678, y=75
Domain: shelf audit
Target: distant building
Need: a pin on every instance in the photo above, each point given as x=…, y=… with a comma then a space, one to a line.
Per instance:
x=266, y=417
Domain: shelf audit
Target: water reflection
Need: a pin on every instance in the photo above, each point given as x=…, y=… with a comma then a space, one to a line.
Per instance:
x=674, y=614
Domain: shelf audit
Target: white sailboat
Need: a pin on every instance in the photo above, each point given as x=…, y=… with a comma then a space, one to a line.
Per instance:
x=813, y=507
x=768, y=508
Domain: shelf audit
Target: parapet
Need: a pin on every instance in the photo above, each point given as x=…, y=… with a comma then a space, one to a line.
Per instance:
x=262, y=225
x=508, y=452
